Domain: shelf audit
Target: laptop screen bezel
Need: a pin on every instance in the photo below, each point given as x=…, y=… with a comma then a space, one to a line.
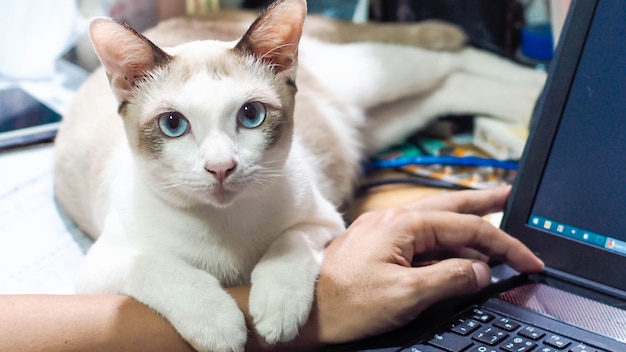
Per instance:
x=575, y=259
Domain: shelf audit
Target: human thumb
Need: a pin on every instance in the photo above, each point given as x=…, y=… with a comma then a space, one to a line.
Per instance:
x=451, y=277
x=482, y=274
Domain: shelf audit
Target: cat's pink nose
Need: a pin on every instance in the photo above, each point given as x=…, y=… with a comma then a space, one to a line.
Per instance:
x=221, y=171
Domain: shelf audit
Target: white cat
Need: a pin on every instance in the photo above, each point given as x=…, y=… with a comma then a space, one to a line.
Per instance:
x=219, y=174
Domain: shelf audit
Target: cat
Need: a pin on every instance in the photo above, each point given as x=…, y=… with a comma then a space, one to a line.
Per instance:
x=218, y=174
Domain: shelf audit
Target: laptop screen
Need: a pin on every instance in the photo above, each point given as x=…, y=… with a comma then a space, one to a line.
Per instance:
x=582, y=194
x=568, y=203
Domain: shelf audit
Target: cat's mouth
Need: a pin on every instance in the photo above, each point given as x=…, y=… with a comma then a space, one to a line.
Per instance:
x=222, y=196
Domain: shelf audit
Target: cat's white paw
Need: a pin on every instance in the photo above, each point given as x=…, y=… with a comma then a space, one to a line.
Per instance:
x=279, y=308
x=278, y=313
x=223, y=330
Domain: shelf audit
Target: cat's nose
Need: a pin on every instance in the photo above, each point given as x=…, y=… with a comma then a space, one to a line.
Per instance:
x=221, y=170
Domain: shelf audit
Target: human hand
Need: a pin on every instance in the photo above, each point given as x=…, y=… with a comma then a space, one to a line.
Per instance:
x=368, y=284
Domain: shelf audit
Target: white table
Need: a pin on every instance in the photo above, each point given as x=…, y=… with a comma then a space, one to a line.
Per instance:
x=40, y=248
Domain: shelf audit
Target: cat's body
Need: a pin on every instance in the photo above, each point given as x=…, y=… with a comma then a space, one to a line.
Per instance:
x=197, y=196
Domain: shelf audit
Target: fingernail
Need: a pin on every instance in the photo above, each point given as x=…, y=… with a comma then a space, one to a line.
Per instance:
x=482, y=273
x=541, y=263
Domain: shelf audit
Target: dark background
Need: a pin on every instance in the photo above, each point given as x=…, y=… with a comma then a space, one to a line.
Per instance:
x=493, y=25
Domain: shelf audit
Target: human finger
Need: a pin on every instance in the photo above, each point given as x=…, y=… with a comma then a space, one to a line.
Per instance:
x=431, y=230
x=479, y=202
x=447, y=253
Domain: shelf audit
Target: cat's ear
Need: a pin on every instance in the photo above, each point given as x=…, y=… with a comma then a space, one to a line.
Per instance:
x=274, y=36
x=126, y=55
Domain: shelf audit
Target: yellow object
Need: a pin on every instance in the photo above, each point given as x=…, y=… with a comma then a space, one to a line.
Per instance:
x=202, y=7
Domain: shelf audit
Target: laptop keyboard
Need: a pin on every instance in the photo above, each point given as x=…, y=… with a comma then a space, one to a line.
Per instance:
x=480, y=330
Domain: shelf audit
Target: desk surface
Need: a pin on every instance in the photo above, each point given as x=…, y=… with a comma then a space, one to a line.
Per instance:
x=388, y=196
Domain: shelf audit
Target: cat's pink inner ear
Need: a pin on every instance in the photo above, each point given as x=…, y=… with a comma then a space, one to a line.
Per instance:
x=125, y=54
x=275, y=35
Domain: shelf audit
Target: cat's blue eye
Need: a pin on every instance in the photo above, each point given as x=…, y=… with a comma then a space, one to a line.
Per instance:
x=252, y=114
x=173, y=124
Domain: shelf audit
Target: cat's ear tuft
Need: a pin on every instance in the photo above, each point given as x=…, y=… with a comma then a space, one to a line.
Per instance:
x=127, y=56
x=274, y=36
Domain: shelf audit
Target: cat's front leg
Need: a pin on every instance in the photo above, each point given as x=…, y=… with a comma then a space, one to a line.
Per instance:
x=205, y=315
x=283, y=284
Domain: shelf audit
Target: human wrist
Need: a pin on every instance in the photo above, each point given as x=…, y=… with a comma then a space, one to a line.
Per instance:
x=308, y=338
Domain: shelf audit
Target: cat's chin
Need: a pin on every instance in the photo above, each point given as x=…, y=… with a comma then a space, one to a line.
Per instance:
x=218, y=197
x=222, y=198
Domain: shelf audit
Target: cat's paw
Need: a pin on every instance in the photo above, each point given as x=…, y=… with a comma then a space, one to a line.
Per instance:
x=280, y=307
x=220, y=329
x=279, y=313
x=436, y=35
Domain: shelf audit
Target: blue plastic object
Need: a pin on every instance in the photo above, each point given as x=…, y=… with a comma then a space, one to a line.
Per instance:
x=537, y=42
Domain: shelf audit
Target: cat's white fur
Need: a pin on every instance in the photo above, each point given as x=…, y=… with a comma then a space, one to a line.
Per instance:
x=172, y=235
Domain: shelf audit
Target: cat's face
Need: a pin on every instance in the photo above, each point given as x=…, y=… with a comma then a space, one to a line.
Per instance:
x=208, y=122
x=211, y=125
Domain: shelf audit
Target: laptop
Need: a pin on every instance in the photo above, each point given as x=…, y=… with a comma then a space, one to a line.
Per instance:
x=568, y=204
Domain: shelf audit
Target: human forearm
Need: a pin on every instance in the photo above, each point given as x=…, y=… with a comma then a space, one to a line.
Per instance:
x=107, y=323
x=83, y=323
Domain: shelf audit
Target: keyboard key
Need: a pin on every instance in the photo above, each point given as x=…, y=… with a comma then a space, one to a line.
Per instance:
x=547, y=349
x=465, y=327
x=557, y=341
x=582, y=348
x=450, y=341
x=483, y=348
x=506, y=324
x=518, y=344
x=421, y=348
x=490, y=336
x=532, y=332
x=481, y=315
